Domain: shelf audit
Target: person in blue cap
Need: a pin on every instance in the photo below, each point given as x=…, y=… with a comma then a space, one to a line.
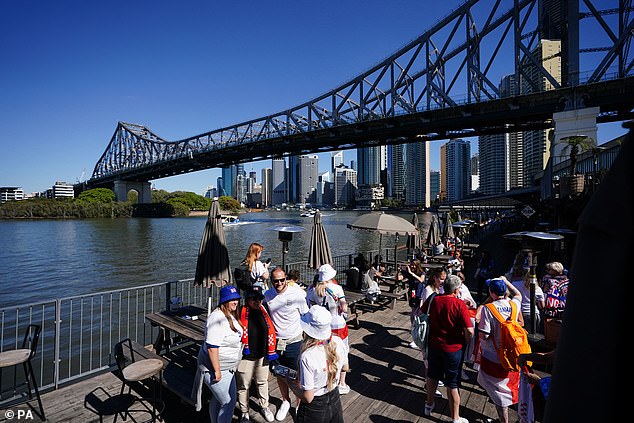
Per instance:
x=501, y=385
x=220, y=354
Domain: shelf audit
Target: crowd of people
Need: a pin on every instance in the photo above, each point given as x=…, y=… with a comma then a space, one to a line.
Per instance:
x=299, y=333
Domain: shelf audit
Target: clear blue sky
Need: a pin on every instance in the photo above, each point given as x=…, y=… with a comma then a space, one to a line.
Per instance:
x=71, y=70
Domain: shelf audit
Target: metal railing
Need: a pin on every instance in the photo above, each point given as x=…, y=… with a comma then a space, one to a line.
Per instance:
x=78, y=332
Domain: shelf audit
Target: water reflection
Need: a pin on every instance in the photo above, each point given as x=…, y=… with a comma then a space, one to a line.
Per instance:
x=43, y=260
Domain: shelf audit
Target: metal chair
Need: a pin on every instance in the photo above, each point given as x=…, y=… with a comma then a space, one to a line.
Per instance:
x=23, y=356
x=132, y=370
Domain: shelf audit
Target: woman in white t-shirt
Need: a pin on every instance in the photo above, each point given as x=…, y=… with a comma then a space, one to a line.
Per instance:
x=327, y=293
x=320, y=364
x=220, y=354
x=259, y=270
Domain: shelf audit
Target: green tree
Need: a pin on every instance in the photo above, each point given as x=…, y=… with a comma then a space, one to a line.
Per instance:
x=96, y=195
x=577, y=144
x=160, y=195
x=228, y=203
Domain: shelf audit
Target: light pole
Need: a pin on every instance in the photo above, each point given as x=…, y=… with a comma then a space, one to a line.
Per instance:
x=285, y=234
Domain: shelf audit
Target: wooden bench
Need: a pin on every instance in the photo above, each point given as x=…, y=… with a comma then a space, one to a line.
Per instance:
x=354, y=298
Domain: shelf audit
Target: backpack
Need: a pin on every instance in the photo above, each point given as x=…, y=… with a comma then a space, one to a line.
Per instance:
x=242, y=276
x=420, y=327
x=513, y=339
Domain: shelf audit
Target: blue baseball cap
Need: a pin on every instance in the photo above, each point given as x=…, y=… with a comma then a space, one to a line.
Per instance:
x=497, y=286
x=228, y=293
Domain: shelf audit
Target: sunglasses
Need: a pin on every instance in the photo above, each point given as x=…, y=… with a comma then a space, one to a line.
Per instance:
x=278, y=280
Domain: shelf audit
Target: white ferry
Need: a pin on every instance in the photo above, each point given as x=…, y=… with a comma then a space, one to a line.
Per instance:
x=228, y=219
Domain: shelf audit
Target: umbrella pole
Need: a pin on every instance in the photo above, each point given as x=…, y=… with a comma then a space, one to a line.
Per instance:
x=380, y=241
x=395, y=258
x=532, y=262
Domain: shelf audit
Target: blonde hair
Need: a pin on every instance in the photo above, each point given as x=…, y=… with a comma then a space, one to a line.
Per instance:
x=320, y=289
x=331, y=356
x=224, y=307
x=252, y=254
x=555, y=266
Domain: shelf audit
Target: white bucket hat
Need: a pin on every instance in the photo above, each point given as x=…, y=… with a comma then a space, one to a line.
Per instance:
x=326, y=273
x=316, y=322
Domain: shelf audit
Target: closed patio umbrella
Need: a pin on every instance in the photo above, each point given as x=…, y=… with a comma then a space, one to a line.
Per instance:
x=319, y=252
x=212, y=267
x=413, y=241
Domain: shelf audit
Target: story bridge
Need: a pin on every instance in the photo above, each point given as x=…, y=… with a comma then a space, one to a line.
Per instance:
x=444, y=84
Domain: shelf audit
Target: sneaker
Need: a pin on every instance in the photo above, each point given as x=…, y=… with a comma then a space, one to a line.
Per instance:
x=283, y=411
x=268, y=414
x=344, y=389
x=245, y=418
x=413, y=345
x=440, y=383
x=460, y=420
x=429, y=408
x=438, y=393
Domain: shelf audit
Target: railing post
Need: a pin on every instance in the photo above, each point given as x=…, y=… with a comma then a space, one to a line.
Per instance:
x=58, y=333
x=168, y=295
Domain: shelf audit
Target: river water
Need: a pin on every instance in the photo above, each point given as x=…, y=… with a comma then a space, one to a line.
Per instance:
x=42, y=260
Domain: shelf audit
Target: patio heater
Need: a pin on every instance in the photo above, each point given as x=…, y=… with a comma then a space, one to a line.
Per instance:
x=285, y=234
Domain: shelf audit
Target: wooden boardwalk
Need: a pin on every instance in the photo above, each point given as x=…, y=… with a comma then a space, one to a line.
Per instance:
x=385, y=380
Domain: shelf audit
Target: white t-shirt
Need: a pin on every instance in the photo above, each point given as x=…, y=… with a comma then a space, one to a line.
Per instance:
x=526, y=296
x=218, y=333
x=428, y=291
x=313, y=367
x=489, y=324
x=258, y=270
x=465, y=295
x=330, y=303
x=285, y=310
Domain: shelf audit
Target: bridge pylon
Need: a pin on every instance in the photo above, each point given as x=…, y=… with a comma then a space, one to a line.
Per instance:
x=121, y=189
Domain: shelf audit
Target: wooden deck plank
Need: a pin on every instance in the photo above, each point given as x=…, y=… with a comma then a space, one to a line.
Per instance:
x=385, y=379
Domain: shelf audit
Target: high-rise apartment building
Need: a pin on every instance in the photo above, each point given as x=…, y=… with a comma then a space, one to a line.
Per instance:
x=536, y=146
x=345, y=186
x=278, y=182
x=229, y=181
x=307, y=177
x=434, y=186
x=267, y=186
x=370, y=162
x=442, y=196
x=417, y=174
x=458, y=169
x=396, y=171
x=336, y=159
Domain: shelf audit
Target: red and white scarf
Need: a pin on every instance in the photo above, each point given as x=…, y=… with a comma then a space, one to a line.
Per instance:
x=271, y=338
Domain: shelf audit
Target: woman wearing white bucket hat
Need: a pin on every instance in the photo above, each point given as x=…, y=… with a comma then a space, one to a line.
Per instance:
x=329, y=294
x=320, y=364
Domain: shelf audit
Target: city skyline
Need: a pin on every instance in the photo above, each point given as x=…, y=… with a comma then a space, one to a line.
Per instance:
x=194, y=67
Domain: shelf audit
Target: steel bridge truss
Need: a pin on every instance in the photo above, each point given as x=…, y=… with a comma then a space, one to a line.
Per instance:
x=460, y=60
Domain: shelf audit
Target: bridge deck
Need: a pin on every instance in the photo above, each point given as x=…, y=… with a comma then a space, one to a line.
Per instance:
x=385, y=380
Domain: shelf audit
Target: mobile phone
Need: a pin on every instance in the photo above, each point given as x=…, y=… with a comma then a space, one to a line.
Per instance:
x=268, y=260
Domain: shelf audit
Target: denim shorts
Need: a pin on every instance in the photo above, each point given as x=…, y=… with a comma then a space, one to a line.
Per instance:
x=444, y=366
x=290, y=356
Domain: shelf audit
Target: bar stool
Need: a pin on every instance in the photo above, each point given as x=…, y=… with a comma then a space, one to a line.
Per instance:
x=132, y=370
x=23, y=356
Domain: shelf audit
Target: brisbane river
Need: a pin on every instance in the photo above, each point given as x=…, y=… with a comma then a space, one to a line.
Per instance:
x=42, y=260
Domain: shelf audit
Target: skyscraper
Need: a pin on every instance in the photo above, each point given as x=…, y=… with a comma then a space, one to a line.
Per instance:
x=345, y=186
x=536, y=146
x=307, y=177
x=278, y=181
x=501, y=155
x=336, y=159
x=229, y=180
x=458, y=169
x=396, y=171
x=370, y=162
x=417, y=174
x=267, y=186
x=434, y=186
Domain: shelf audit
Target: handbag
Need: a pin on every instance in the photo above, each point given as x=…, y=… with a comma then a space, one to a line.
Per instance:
x=420, y=327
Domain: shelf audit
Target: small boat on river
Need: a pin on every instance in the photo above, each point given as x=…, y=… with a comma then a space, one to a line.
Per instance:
x=228, y=219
